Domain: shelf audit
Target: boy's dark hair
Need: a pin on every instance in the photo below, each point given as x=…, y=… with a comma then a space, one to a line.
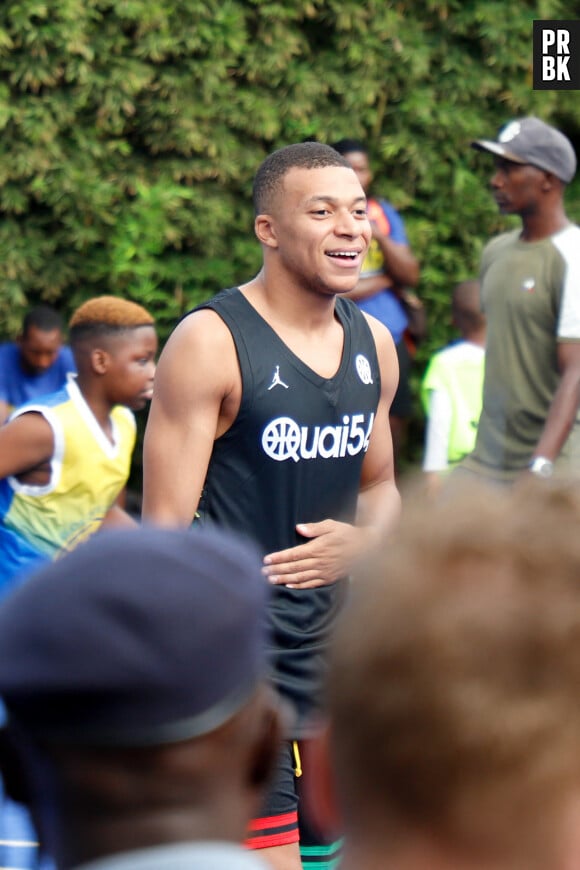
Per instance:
x=303, y=155
x=466, y=307
x=42, y=317
x=349, y=146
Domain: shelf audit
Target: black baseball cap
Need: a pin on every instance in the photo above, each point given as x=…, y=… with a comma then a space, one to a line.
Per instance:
x=138, y=637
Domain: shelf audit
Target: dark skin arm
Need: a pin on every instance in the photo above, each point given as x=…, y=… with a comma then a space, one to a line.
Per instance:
x=367, y=287
x=401, y=271
x=26, y=443
x=117, y=517
x=194, y=377
x=565, y=403
x=401, y=265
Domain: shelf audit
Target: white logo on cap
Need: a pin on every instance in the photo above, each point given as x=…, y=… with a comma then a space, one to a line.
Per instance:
x=510, y=132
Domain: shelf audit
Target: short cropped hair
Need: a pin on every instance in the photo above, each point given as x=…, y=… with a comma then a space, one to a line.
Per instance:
x=106, y=316
x=466, y=306
x=350, y=146
x=303, y=155
x=455, y=671
x=42, y=317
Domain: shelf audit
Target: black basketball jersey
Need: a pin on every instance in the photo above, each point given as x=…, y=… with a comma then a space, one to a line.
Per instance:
x=293, y=455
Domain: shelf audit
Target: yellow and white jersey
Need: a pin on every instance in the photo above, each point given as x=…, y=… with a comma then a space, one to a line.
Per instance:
x=87, y=473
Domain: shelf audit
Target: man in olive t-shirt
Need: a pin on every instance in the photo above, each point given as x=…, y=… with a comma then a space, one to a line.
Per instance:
x=530, y=289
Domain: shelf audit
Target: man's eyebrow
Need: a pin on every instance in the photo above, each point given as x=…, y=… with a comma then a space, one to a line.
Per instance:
x=323, y=197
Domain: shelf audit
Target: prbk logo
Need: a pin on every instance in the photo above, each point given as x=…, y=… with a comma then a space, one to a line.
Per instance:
x=284, y=439
x=557, y=55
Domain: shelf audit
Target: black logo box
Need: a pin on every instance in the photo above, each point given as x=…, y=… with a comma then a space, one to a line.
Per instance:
x=551, y=39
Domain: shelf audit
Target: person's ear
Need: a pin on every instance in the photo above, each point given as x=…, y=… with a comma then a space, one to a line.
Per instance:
x=100, y=360
x=318, y=789
x=550, y=181
x=265, y=229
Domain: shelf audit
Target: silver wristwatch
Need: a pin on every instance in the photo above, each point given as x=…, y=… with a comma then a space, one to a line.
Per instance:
x=541, y=466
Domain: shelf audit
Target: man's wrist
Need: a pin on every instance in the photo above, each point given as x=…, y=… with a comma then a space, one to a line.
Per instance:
x=541, y=466
x=410, y=299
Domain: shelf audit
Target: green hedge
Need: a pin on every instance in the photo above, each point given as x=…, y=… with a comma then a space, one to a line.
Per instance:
x=130, y=132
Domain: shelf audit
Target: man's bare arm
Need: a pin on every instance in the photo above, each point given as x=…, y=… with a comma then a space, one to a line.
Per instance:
x=564, y=406
x=367, y=287
x=196, y=373
x=400, y=262
x=401, y=269
x=25, y=443
x=118, y=518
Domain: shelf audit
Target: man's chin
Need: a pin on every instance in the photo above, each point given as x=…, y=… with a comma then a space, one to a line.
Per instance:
x=340, y=288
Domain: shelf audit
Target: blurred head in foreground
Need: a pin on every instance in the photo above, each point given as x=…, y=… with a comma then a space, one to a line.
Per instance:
x=134, y=676
x=454, y=735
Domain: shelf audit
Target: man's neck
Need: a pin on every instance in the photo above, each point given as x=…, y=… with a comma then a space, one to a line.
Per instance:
x=542, y=225
x=476, y=337
x=282, y=302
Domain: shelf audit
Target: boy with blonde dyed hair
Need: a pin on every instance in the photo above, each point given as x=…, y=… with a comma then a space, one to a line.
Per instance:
x=454, y=732
x=65, y=458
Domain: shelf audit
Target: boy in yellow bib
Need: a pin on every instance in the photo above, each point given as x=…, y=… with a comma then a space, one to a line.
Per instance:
x=452, y=388
x=65, y=458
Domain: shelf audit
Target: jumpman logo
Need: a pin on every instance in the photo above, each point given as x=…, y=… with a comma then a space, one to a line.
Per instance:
x=277, y=380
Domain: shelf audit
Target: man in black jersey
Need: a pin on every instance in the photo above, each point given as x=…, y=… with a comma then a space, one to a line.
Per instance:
x=271, y=417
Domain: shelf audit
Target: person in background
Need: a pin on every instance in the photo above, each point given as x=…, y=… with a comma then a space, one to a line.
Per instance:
x=64, y=462
x=530, y=420
x=141, y=729
x=65, y=458
x=36, y=363
x=453, y=735
x=389, y=270
x=452, y=387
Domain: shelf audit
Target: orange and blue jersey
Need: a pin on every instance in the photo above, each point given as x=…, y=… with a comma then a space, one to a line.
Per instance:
x=385, y=305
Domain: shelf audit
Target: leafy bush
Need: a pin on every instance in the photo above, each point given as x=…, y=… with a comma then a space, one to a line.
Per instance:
x=131, y=130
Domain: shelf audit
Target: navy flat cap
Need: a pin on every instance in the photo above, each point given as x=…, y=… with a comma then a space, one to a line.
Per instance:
x=137, y=637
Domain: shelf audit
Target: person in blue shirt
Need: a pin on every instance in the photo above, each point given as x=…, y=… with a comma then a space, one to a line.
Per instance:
x=389, y=270
x=37, y=363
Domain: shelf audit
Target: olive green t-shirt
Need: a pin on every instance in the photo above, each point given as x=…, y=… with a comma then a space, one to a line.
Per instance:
x=531, y=296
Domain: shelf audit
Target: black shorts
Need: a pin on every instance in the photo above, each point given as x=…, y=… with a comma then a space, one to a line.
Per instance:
x=277, y=824
x=280, y=821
